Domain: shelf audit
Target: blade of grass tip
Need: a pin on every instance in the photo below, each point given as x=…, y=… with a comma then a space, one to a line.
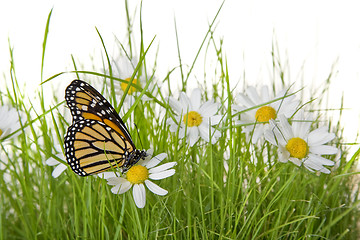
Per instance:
x=75, y=67
x=142, y=40
x=52, y=77
x=44, y=43
x=109, y=65
x=203, y=42
x=179, y=56
x=129, y=27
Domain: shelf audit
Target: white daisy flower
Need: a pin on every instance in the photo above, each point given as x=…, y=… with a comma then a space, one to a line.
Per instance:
x=139, y=176
x=262, y=107
x=193, y=119
x=60, y=167
x=296, y=143
x=9, y=121
x=124, y=69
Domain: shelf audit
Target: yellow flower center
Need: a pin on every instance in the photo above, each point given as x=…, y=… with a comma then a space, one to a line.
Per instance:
x=125, y=84
x=297, y=148
x=1, y=132
x=265, y=113
x=137, y=174
x=192, y=119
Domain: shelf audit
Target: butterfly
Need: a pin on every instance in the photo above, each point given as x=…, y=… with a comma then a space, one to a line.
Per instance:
x=97, y=140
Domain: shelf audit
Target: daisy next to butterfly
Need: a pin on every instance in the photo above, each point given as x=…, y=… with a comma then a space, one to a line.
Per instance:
x=98, y=139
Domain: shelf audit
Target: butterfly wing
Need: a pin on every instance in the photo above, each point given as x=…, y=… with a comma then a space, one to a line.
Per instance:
x=92, y=147
x=98, y=139
x=85, y=102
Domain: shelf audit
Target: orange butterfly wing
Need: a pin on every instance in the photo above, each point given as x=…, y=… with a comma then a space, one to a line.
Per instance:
x=98, y=139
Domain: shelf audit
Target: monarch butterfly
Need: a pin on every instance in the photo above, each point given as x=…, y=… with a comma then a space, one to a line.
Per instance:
x=98, y=139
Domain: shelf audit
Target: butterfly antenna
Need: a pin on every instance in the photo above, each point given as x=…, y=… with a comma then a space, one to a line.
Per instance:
x=137, y=130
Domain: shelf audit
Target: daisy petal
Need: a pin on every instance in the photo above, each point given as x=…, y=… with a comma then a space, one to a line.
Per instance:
x=174, y=104
x=155, y=188
x=162, y=167
x=204, y=131
x=195, y=99
x=58, y=170
x=258, y=131
x=124, y=187
x=185, y=103
x=214, y=120
x=52, y=162
x=321, y=160
x=244, y=100
x=116, y=180
x=323, y=150
x=139, y=195
x=162, y=175
x=286, y=128
x=253, y=95
x=320, y=136
x=193, y=135
x=295, y=161
x=215, y=135
x=156, y=160
x=265, y=97
x=208, y=109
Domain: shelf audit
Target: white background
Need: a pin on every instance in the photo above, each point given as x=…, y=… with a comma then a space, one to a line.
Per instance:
x=312, y=36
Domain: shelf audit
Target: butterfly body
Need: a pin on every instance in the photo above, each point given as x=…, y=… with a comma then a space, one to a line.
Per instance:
x=98, y=139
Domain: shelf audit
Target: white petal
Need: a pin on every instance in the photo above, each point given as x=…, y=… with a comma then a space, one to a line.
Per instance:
x=204, y=131
x=243, y=100
x=284, y=155
x=195, y=99
x=182, y=132
x=156, y=160
x=258, y=132
x=106, y=175
x=323, y=150
x=124, y=187
x=52, y=161
x=215, y=135
x=286, y=129
x=325, y=170
x=295, y=161
x=320, y=136
x=162, y=175
x=162, y=167
x=320, y=160
x=214, y=120
x=236, y=108
x=265, y=97
x=150, y=152
x=301, y=125
x=270, y=136
x=58, y=170
x=209, y=109
x=185, y=103
x=193, y=135
x=175, y=105
x=173, y=126
x=155, y=188
x=253, y=95
x=139, y=195
x=116, y=180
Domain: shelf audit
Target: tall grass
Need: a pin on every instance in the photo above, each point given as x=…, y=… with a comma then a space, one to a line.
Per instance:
x=230, y=189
